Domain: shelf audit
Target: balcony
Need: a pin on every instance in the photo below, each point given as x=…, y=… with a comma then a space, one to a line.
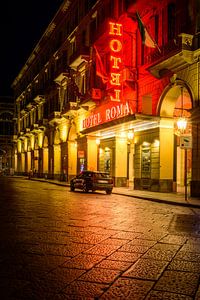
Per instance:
x=70, y=109
x=55, y=118
x=35, y=128
x=61, y=76
x=27, y=132
x=21, y=135
x=61, y=73
x=172, y=57
x=29, y=106
x=61, y=69
x=80, y=55
x=39, y=99
x=23, y=112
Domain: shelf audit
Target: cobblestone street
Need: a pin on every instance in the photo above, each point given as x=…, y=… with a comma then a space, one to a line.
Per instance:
x=56, y=244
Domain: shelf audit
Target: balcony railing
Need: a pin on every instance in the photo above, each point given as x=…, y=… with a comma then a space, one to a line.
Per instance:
x=169, y=49
x=81, y=54
x=171, y=57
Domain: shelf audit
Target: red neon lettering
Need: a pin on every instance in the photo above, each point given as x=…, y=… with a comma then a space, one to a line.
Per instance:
x=115, y=78
x=115, y=45
x=116, y=96
x=115, y=28
x=116, y=61
x=92, y=120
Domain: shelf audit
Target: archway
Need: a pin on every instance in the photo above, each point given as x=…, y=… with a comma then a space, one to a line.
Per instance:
x=176, y=103
x=72, y=151
x=45, y=158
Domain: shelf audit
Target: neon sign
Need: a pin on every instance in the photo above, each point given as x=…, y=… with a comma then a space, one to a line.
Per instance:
x=106, y=115
x=115, y=46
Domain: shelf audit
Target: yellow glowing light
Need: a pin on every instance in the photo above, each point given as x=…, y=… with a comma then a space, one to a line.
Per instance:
x=19, y=146
x=116, y=61
x=107, y=149
x=157, y=143
x=182, y=124
x=40, y=140
x=25, y=145
x=130, y=134
x=145, y=144
x=122, y=135
x=115, y=29
x=98, y=141
x=115, y=45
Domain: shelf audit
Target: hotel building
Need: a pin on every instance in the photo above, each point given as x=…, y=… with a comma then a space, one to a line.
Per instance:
x=114, y=86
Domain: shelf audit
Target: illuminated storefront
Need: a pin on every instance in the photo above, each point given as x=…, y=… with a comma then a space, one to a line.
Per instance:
x=115, y=97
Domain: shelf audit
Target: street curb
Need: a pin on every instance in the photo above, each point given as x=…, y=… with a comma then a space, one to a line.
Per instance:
x=159, y=200
x=132, y=196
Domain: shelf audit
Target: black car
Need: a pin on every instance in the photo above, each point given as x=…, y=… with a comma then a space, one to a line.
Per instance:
x=92, y=180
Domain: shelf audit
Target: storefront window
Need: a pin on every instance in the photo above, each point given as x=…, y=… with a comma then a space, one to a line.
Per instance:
x=146, y=162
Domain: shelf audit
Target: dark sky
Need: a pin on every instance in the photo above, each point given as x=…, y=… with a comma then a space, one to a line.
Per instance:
x=22, y=24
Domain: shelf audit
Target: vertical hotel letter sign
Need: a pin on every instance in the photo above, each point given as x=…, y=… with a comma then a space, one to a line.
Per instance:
x=115, y=46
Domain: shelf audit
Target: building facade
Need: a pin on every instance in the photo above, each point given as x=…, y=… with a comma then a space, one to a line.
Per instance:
x=104, y=89
x=6, y=135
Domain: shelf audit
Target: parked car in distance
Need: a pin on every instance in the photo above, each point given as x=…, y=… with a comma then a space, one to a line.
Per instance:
x=92, y=181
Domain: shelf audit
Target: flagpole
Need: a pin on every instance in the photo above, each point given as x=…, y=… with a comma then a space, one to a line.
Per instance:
x=143, y=31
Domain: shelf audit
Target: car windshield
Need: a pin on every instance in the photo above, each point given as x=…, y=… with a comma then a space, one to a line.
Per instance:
x=97, y=175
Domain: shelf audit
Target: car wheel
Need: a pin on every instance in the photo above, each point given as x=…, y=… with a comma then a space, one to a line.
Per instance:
x=108, y=192
x=72, y=188
x=85, y=188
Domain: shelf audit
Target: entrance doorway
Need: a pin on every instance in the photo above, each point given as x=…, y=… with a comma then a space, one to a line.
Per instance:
x=175, y=105
x=184, y=169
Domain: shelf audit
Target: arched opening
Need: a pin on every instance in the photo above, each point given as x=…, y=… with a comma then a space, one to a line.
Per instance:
x=45, y=157
x=176, y=103
x=72, y=151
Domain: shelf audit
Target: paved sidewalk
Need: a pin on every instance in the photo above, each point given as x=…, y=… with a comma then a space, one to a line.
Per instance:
x=167, y=198
x=59, y=245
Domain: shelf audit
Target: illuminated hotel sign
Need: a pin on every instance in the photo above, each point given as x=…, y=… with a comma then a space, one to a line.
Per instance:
x=115, y=46
x=106, y=115
x=117, y=107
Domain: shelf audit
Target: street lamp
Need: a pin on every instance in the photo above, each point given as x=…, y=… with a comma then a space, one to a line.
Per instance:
x=130, y=134
x=182, y=124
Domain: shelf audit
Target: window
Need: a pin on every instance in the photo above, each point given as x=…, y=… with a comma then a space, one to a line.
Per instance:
x=171, y=21
x=156, y=28
x=147, y=104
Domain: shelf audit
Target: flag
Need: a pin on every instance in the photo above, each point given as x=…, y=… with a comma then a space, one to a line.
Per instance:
x=100, y=69
x=147, y=40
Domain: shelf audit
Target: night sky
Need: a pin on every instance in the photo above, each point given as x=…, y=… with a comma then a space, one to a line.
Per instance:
x=22, y=24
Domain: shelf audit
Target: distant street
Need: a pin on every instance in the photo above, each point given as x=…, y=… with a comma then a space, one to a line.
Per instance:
x=56, y=244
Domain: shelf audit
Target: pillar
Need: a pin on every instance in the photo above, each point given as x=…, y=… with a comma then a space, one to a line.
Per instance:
x=57, y=161
x=72, y=159
x=92, y=153
x=166, y=155
x=120, y=161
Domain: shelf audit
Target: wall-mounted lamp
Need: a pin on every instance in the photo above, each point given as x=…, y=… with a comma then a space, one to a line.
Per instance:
x=182, y=122
x=130, y=134
x=98, y=141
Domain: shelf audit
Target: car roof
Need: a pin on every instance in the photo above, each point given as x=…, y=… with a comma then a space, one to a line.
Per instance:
x=95, y=172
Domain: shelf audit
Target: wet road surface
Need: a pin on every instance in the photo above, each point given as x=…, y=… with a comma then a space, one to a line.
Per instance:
x=56, y=244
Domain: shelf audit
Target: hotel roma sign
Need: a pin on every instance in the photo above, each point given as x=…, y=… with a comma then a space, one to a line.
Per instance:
x=107, y=114
x=117, y=107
